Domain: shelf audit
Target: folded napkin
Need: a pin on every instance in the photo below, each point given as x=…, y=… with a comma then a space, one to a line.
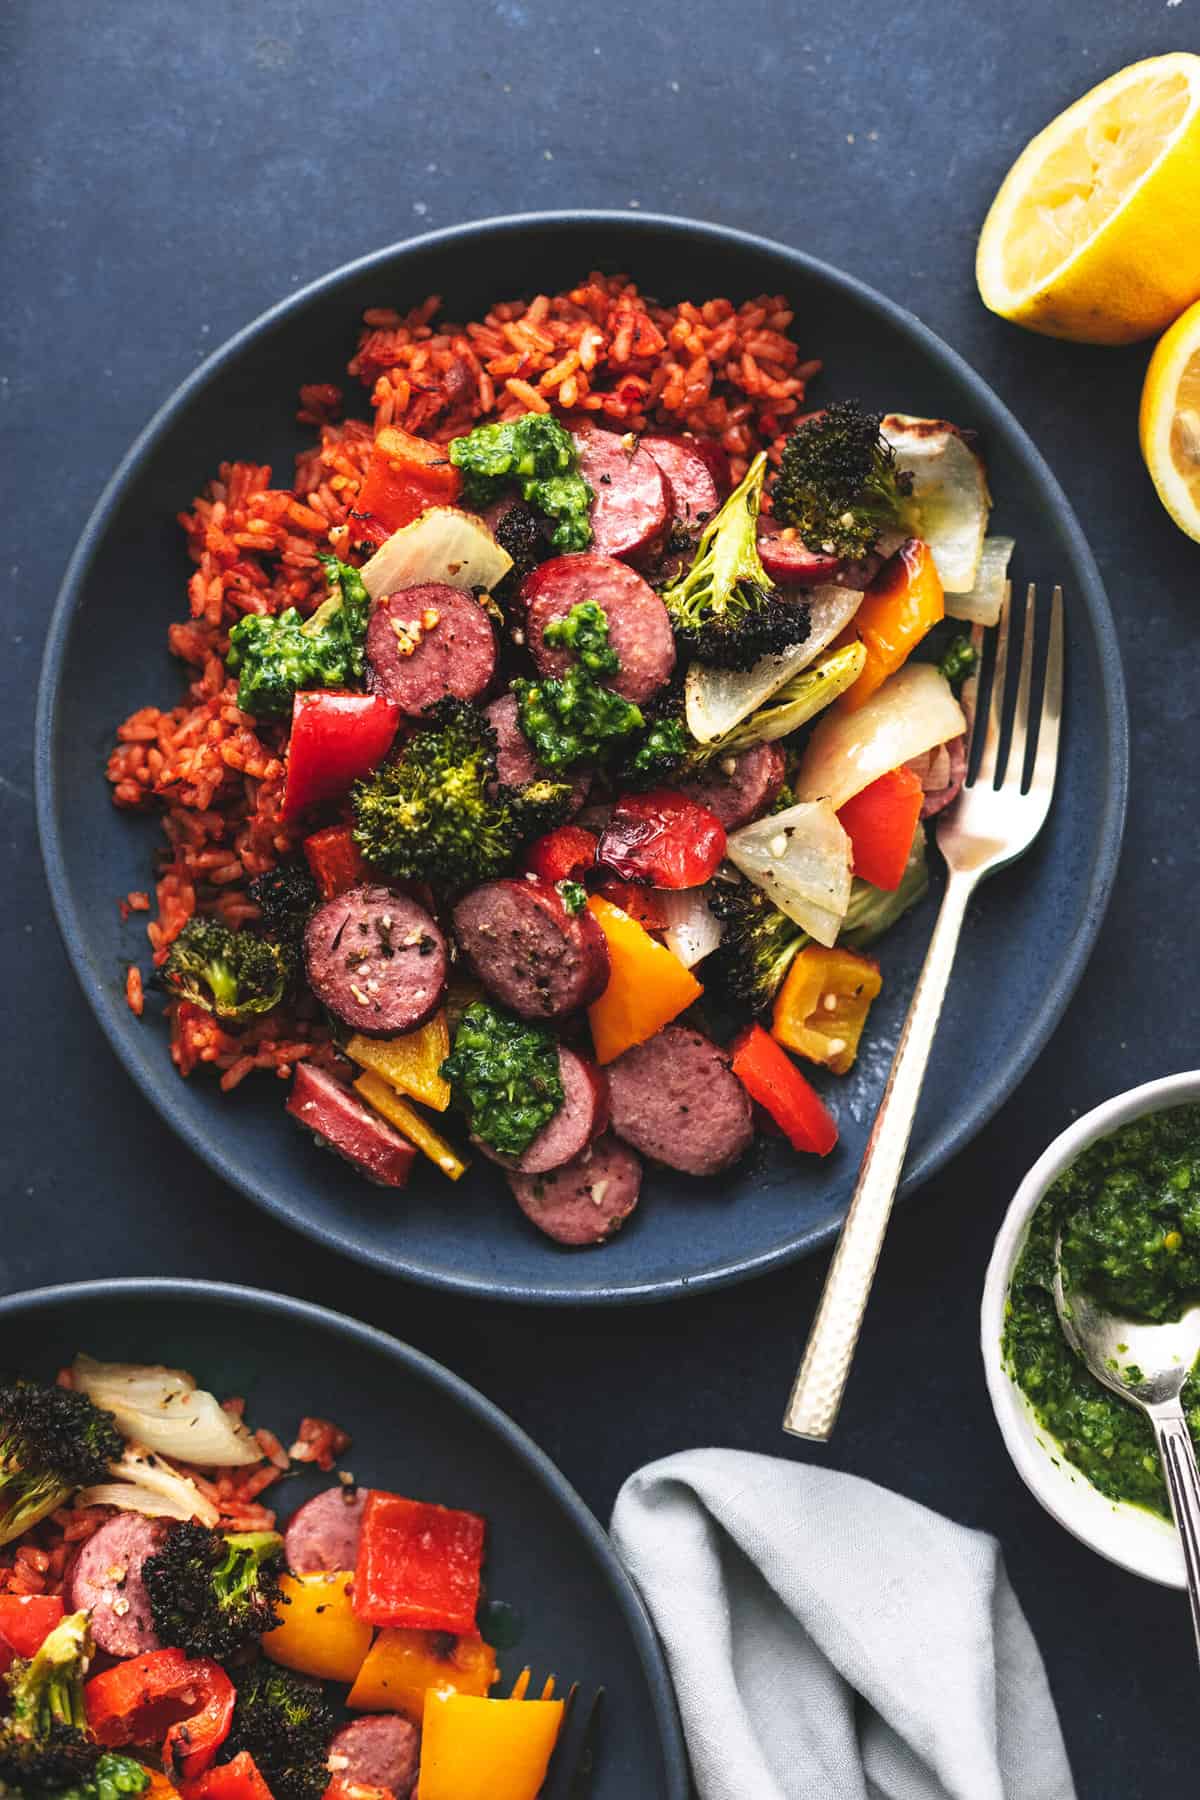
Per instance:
x=829, y=1640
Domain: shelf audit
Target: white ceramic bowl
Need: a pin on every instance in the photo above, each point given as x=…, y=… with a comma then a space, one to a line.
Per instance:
x=1127, y=1535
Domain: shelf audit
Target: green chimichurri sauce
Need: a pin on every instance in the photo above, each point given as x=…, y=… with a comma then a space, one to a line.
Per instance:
x=1129, y=1209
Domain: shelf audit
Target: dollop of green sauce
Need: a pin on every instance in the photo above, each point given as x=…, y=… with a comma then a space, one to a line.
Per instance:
x=1129, y=1211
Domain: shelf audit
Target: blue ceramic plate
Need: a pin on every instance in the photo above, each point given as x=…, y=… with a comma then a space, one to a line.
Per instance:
x=417, y=1429
x=106, y=655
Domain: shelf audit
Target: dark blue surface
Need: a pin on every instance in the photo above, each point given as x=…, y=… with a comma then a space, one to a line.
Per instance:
x=299, y=138
x=122, y=591
x=418, y=1430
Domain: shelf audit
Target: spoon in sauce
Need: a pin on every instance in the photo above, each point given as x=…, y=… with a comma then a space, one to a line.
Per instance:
x=1146, y=1364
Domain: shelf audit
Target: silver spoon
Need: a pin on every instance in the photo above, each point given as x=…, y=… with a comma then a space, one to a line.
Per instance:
x=1148, y=1365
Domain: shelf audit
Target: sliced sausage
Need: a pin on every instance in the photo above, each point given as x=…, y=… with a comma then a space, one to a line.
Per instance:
x=381, y=1751
x=787, y=559
x=740, y=788
x=694, y=495
x=538, y=959
x=942, y=773
x=376, y=959
x=336, y=1117
x=323, y=1534
x=676, y=1100
x=632, y=508
x=585, y=1201
x=106, y=1581
x=429, y=641
x=639, y=626
x=581, y=1117
x=515, y=762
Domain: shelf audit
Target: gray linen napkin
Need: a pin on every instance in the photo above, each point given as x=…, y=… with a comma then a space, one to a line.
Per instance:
x=830, y=1640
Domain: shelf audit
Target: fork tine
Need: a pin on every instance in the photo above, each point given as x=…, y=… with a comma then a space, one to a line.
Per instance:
x=990, y=755
x=1015, y=768
x=1046, y=760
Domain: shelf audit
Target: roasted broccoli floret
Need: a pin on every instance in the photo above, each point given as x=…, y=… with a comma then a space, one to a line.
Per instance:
x=437, y=813
x=504, y=1075
x=838, y=483
x=285, y=896
x=212, y=1594
x=45, y=1752
x=279, y=654
x=53, y=1441
x=231, y=973
x=68, y=1767
x=285, y=1722
x=958, y=660
x=537, y=455
x=665, y=750
x=758, y=943
x=872, y=910
x=521, y=535
x=724, y=607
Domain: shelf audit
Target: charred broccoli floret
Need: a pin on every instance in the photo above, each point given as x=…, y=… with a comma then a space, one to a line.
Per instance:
x=437, y=813
x=285, y=1722
x=278, y=654
x=537, y=455
x=285, y=896
x=521, y=535
x=231, y=973
x=758, y=943
x=45, y=1752
x=53, y=1441
x=212, y=1594
x=724, y=607
x=666, y=749
x=838, y=483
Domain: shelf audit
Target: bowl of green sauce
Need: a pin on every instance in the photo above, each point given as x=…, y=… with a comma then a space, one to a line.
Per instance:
x=1123, y=1186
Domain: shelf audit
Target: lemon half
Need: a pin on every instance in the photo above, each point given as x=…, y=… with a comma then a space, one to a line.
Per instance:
x=1095, y=233
x=1169, y=421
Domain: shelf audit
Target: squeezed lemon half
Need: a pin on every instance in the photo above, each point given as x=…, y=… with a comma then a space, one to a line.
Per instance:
x=1169, y=421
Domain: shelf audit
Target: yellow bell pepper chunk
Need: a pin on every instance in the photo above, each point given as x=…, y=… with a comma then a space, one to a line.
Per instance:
x=823, y=1004
x=902, y=604
x=320, y=1633
x=648, y=986
x=486, y=1749
x=160, y=1787
x=396, y=1110
x=401, y=1666
x=412, y=1062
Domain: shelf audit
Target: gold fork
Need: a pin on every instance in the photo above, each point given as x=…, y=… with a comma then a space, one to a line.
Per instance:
x=995, y=819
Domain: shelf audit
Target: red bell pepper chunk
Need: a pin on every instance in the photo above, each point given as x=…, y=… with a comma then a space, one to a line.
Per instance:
x=406, y=476
x=187, y=1703
x=26, y=1620
x=563, y=855
x=641, y=903
x=663, y=838
x=880, y=823
x=418, y=1565
x=769, y=1076
x=238, y=1779
x=334, y=860
x=336, y=737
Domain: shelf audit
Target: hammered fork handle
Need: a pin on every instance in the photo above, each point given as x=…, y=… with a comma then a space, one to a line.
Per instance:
x=817, y=1395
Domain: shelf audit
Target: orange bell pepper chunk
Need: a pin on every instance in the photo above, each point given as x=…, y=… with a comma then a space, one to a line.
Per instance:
x=333, y=857
x=823, y=1004
x=319, y=1631
x=411, y=1062
x=880, y=823
x=402, y=1665
x=475, y=1749
x=902, y=604
x=648, y=986
x=405, y=477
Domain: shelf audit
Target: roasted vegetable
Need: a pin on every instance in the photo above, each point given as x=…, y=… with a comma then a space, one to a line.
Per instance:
x=285, y=896
x=277, y=653
x=872, y=910
x=520, y=535
x=724, y=608
x=231, y=973
x=503, y=1073
x=213, y=1594
x=537, y=455
x=838, y=483
x=45, y=1751
x=758, y=943
x=53, y=1441
x=436, y=812
x=285, y=1723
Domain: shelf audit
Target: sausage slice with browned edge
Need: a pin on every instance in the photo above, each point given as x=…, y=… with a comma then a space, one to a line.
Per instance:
x=105, y=1580
x=538, y=959
x=322, y=1535
x=376, y=959
x=632, y=508
x=676, y=1099
x=639, y=626
x=382, y=1751
x=581, y=1117
x=426, y=642
x=339, y=1119
x=741, y=787
x=515, y=762
x=694, y=496
x=585, y=1201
